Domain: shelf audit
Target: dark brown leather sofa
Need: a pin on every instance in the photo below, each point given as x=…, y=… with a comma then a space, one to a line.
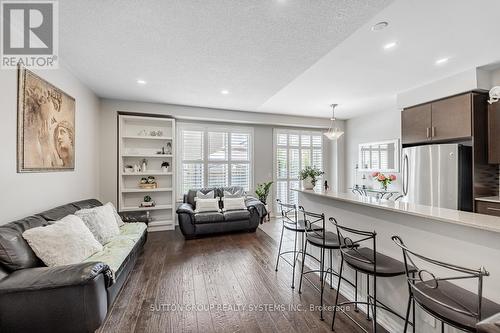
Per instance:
x=36, y=298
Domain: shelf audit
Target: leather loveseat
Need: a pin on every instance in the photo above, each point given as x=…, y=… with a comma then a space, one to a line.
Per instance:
x=72, y=298
x=196, y=224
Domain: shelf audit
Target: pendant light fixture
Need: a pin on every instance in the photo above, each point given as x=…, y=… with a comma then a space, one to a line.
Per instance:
x=333, y=132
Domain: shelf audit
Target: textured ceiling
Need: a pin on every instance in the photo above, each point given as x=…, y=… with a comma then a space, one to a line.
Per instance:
x=188, y=50
x=362, y=77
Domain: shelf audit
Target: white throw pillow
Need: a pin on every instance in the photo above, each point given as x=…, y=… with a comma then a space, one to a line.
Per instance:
x=207, y=205
x=118, y=219
x=234, y=204
x=65, y=242
x=101, y=221
x=201, y=195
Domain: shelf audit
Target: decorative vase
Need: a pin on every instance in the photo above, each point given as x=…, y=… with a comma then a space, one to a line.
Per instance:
x=307, y=183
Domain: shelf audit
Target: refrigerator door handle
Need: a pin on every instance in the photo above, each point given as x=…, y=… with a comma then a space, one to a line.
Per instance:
x=405, y=175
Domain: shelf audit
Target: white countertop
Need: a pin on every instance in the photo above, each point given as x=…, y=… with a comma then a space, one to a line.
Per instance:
x=473, y=220
x=489, y=199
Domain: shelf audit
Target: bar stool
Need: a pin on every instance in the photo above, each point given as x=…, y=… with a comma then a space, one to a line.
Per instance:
x=368, y=261
x=445, y=301
x=290, y=220
x=316, y=236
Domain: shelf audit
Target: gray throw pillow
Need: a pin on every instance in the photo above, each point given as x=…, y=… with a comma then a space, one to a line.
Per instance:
x=209, y=195
x=237, y=194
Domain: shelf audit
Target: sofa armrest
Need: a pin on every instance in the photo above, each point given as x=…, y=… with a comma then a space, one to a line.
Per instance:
x=489, y=325
x=40, y=278
x=254, y=204
x=185, y=208
x=70, y=298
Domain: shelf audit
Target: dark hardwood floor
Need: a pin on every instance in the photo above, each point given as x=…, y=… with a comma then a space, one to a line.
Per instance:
x=235, y=270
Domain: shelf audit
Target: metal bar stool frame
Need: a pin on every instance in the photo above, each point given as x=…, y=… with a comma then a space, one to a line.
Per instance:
x=287, y=221
x=467, y=273
x=311, y=219
x=371, y=301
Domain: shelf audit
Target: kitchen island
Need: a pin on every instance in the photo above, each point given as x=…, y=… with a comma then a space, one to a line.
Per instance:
x=462, y=238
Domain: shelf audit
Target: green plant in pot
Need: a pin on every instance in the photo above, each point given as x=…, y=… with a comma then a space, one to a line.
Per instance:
x=309, y=176
x=262, y=191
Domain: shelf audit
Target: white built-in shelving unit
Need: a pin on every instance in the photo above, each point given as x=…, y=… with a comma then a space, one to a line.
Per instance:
x=136, y=143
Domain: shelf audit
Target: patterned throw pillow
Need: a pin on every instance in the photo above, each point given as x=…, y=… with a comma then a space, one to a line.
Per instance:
x=234, y=203
x=65, y=242
x=201, y=195
x=101, y=221
x=118, y=218
x=238, y=194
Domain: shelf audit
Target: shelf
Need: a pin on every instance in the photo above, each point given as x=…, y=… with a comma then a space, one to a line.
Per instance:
x=148, y=156
x=145, y=137
x=136, y=119
x=142, y=190
x=160, y=223
x=148, y=173
x=139, y=209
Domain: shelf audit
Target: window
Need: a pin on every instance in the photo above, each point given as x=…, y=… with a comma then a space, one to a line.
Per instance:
x=293, y=151
x=213, y=156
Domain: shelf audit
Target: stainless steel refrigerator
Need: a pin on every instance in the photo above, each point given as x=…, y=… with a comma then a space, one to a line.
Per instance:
x=438, y=175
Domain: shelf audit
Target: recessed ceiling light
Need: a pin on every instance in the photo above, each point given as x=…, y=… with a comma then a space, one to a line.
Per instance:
x=442, y=61
x=380, y=26
x=224, y=92
x=139, y=81
x=390, y=45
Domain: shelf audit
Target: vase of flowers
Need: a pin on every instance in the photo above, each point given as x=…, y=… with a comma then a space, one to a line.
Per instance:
x=309, y=176
x=384, y=180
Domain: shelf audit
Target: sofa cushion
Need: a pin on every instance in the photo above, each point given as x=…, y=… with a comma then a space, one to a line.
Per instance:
x=15, y=252
x=65, y=242
x=58, y=213
x=236, y=215
x=210, y=217
x=116, y=251
x=88, y=203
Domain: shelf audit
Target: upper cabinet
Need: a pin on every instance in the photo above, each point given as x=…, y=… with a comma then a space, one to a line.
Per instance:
x=494, y=133
x=445, y=119
x=416, y=124
x=452, y=118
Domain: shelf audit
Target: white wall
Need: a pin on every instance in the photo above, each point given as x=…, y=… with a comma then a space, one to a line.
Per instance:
x=262, y=123
x=26, y=194
x=370, y=128
x=387, y=125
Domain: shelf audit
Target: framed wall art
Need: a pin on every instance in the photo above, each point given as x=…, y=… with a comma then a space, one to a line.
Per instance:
x=46, y=126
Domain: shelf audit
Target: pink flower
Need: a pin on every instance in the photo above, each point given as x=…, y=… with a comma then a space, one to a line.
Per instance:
x=375, y=174
x=381, y=177
x=392, y=177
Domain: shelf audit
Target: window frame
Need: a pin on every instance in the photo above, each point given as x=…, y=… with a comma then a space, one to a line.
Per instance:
x=205, y=161
x=300, y=148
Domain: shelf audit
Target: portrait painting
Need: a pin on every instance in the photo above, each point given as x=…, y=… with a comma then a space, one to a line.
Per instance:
x=46, y=126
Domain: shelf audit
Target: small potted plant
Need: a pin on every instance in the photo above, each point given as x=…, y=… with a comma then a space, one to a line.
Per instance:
x=147, y=202
x=165, y=166
x=309, y=176
x=262, y=191
x=383, y=179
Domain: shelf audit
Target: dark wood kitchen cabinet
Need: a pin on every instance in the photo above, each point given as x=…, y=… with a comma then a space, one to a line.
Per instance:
x=452, y=118
x=494, y=133
x=416, y=124
x=445, y=119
